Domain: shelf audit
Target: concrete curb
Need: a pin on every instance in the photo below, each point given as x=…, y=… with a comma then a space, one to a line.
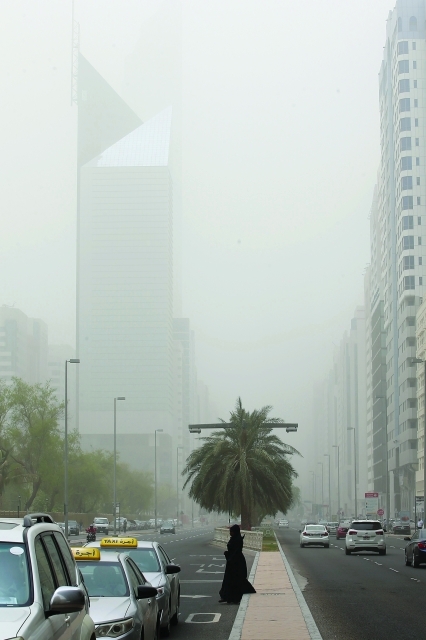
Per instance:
x=237, y=627
x=309, y=620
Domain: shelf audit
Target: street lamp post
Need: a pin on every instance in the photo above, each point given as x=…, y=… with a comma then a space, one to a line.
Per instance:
x=72, y=361
x=155, y=474
x=419, y=361
x=322, y=486
x=327, y=455
x=19, y=504
x=336, y=446
x=115, y=462
x=355, y=478
x=177, y=485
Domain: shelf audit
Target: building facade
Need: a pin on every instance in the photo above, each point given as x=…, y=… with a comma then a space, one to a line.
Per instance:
x=23, y=347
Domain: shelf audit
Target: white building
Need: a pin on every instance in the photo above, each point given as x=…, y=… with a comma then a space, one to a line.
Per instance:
x=401, y=212
x=23, y=347
x=421, y=355
x=125, y=285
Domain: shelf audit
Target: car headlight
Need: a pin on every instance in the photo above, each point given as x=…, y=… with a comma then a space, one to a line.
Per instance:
x=160, y=591
x=114, y=629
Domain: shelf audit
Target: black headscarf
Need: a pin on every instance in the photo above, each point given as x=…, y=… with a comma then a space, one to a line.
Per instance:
x=235, y=531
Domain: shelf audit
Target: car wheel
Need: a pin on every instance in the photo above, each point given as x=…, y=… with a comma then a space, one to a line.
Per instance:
x=407, y=562
x=302, y=545
x=175, y=618
x=382, y=552
x=348, y=552
x=414, y=561
x=165, y=631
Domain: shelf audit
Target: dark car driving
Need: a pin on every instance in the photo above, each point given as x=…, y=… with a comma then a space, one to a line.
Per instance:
x=73, y=528
x=415, y=551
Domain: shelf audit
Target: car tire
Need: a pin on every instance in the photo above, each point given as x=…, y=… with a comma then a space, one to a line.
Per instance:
x=414, y=562
x=348, y=552
x=175, y=618
x=302, y=546
x=382, y=552
x=407, y=561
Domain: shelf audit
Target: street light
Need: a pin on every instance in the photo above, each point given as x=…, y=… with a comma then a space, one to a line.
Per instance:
x=336, y=446
x=327, y=455
x=196, y=428
x=419, y=361
x=115, y=462
x=155, y=474
x=387, y=460
x=356, y=502
x=177, y=485
x=322, y=485
x=71, y=361
x=19, y=504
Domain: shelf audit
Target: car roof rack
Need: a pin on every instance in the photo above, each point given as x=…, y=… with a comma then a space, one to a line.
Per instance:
x=38, y=517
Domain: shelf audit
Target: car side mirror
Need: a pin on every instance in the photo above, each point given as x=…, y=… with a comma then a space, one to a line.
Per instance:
x=172, y=568
x=407, y=539
x=66, y=600
x=146, y=591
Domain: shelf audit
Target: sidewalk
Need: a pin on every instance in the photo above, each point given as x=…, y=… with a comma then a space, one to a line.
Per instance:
x=277, y=611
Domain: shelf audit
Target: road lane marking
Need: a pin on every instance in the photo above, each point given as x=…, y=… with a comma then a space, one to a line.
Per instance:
x=390, y=568
x=378, y=563
x=197, y=581
x=190, y=618
x=183, y=596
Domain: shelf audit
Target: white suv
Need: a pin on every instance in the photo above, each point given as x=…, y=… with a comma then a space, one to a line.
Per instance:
x=366, y=535
x=42, y=596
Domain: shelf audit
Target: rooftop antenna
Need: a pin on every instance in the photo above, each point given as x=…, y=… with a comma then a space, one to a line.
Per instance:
x=75, y=48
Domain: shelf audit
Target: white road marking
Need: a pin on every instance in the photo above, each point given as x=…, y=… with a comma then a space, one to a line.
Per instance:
x=190, y=618
x=378, y=563
x=389, y=567
x=183, y=596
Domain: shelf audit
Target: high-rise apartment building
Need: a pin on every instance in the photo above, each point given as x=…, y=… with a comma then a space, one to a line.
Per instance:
x=23, y=347
x=401, y=215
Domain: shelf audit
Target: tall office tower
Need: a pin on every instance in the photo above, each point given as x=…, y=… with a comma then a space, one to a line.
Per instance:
x=125, y=290
x=401, y=205
x=377, y=451
x=23, y=347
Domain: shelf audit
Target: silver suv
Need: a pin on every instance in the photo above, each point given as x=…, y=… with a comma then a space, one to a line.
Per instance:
x=42, y=596
x=366, y=535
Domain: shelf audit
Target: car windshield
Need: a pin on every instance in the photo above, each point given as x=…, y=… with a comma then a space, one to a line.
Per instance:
x=100, y=521
x=104, y=579
x=366, y=526
x=145, y=558
x=333, y=524
x=14, y=580
x=168, y=523
x=315, y=527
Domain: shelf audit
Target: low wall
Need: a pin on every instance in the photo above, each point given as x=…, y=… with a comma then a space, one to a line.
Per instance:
x=252, y=539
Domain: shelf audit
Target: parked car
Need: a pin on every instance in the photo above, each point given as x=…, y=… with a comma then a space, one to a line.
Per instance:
x=366, y=535
x=34, y=560
x=123, y=603
x=73, y=528
x=415, y=551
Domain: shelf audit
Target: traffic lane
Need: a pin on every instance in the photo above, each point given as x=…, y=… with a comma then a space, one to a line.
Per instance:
x=203, y=565
x=363, y=595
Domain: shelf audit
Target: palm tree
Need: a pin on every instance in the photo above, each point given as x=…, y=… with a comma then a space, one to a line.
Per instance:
x=243, y=469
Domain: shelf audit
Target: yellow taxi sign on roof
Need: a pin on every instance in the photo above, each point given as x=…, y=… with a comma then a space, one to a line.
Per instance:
x=119, y=542
x=86, y=553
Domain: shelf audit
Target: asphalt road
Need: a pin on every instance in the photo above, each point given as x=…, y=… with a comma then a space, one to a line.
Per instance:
x=361, y=596
x=201, y=615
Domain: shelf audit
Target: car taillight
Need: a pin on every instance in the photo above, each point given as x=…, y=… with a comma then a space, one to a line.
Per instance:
x=378, y=533
x=422, y=545
x=352, y=532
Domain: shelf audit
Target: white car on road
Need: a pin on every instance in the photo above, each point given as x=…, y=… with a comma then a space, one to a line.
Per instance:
x=314, y=534
x=366, y=535
x=283, y=523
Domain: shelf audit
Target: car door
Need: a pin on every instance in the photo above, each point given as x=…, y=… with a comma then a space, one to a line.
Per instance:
x=53, y=627
x=172, y=579
x=145, y=606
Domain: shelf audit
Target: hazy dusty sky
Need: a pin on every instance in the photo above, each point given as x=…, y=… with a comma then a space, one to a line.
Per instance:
x=280, y=153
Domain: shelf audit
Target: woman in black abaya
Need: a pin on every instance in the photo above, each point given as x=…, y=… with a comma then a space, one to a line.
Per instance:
x=235, y=582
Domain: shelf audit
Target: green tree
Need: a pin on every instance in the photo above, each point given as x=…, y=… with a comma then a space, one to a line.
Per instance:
x=33, y=435
x=244, y=468
x=135, y=489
